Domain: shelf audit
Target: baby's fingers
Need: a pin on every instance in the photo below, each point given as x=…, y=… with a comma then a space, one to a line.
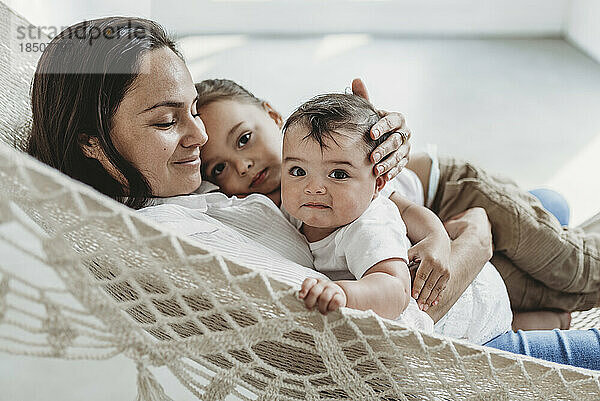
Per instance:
x=325, y=298
x=311, y=298
x=307, y=284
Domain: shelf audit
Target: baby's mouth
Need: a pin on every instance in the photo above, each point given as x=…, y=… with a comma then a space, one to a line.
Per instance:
x=314, y=205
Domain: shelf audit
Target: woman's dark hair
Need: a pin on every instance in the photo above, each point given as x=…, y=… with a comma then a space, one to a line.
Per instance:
x=80, y=80
x=212, y=90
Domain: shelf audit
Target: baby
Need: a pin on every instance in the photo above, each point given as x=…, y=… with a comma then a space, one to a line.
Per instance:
x=357, y=238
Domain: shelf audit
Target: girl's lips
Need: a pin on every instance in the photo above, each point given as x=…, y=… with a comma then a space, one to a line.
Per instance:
x=259, y=178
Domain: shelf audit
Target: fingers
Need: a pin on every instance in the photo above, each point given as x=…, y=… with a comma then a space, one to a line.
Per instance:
x=359, y=88
x=313, y=292
x=325, y=295
x=397, y=159
x=326, y=300
x=389, y=123
x=430, y=280
x=420, y=279
x=440, y=286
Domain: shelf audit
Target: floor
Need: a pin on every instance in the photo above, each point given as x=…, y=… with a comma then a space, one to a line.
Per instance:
x=529, y=109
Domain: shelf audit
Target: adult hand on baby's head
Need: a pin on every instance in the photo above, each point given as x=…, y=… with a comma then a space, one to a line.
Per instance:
x=325, y=294
x=396, y=147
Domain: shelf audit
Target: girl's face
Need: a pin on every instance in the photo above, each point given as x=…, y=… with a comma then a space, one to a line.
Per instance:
x=243, y=153
x=156, y=127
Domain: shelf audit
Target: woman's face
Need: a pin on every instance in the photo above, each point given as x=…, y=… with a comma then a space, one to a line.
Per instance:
x=243, y=154
x=156, y=127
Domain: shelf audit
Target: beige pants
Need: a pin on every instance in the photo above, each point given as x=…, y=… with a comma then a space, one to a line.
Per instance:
x=544, y=265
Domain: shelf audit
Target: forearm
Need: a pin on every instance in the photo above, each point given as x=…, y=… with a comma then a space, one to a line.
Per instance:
x=420, y=222
x=386, y=295
x=468, y=255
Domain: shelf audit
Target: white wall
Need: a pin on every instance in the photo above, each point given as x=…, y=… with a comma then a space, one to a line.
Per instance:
x=406, y=17
x=62, y=13
x=583, y=26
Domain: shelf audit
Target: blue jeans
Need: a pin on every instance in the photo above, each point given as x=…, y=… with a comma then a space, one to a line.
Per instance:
x=553, y=202
x=579, y=348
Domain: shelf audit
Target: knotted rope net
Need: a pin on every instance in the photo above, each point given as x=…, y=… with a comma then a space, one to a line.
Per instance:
x=83, y=277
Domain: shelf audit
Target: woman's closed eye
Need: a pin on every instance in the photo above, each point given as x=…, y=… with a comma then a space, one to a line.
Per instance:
x=339, y=174
x=165, y=125
x=244, y=139
x=297, y=171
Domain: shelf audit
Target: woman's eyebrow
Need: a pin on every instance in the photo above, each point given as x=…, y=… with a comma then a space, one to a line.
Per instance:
x=168, y=103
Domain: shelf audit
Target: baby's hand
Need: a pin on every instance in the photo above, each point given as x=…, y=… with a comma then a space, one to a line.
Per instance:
x=325, y=294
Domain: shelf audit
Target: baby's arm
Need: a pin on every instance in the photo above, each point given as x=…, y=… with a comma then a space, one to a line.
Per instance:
x=384, y=288
x=431, y=249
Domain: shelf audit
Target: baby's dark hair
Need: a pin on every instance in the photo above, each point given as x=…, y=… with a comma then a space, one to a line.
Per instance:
x=212, y=90
x=337, y=113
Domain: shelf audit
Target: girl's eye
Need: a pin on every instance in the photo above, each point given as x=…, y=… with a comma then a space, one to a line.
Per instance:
x=165, y=125
x=338, y=174
x=244, y=139
x=297, y=172
x=218, y=169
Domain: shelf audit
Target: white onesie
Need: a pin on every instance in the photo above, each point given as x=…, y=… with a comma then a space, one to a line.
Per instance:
x=376, y=235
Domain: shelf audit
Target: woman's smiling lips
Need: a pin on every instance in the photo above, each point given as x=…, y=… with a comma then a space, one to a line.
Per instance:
x=193, y=161
x=259, y=178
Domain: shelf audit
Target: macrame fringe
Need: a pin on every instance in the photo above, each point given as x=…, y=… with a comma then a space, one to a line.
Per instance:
x=149, y=389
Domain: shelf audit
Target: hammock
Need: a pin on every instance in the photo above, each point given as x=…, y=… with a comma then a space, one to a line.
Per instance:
x=129, y=287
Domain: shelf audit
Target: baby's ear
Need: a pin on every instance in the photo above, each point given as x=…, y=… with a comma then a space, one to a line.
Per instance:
x=274, y=114
x=379, y=184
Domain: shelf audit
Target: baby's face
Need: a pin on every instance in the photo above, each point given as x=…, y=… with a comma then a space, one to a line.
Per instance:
x=325, y=188
x=243, y=152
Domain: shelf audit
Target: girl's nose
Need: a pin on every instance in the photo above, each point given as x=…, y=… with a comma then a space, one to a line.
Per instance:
x=243, y=166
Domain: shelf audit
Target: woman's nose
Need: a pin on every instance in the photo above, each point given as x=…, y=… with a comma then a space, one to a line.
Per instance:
x=243, y=165
x=195, y=134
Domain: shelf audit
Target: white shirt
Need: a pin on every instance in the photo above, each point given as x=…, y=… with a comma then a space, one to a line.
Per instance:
x=348, y=252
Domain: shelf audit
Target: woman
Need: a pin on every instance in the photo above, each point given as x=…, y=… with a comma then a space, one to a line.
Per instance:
x=119, y=113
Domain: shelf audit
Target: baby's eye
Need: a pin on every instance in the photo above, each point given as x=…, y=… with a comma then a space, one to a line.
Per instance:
x=218, y=169
x=244, y=139
x=338, y=174
x=297, y=172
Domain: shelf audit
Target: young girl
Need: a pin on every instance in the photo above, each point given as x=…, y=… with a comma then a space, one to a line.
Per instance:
x=538, y=259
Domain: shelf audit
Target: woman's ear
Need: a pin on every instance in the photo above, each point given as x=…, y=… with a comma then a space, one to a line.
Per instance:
x=90, y=147
x=274, y=114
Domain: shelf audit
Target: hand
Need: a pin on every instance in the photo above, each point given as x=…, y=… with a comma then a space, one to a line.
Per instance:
x=325, y=294
x=396, y=148
x=433, y=272
x=475, y=222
